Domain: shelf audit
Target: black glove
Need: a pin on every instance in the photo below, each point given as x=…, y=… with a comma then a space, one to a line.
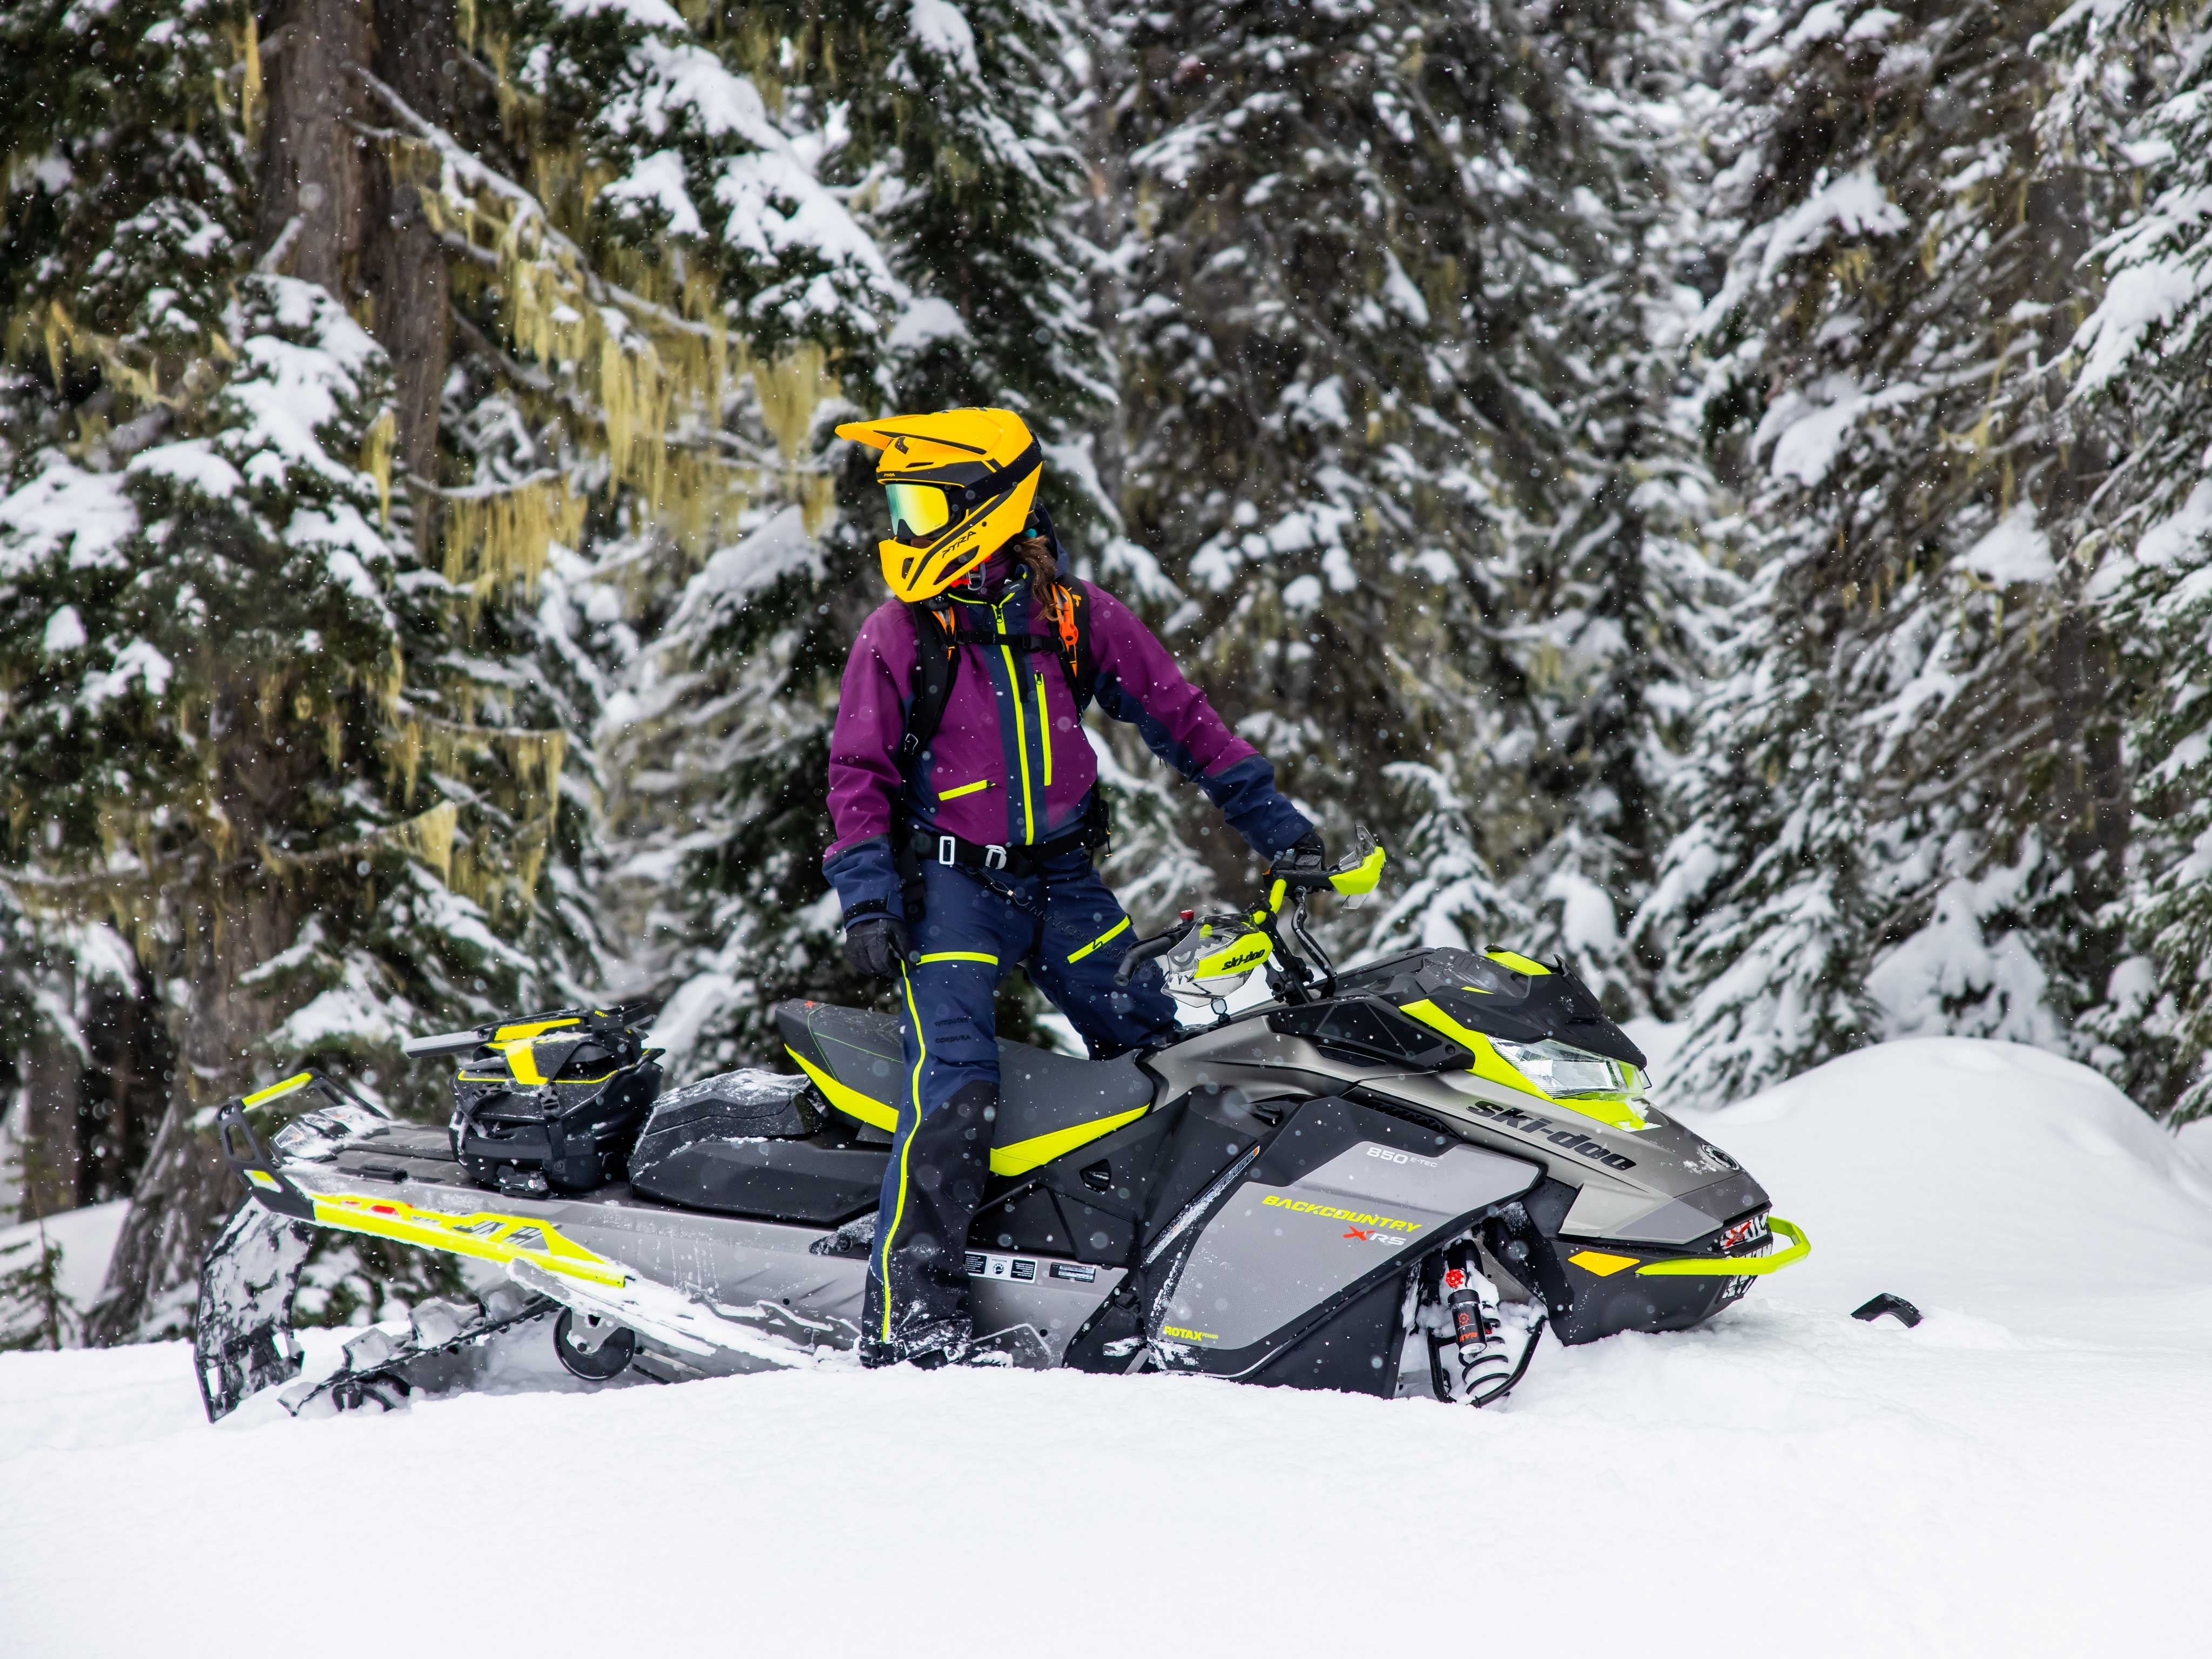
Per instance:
x=1308, y=852
x=877, y=947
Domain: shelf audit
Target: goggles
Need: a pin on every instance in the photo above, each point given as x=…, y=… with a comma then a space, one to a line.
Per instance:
x=918, y=510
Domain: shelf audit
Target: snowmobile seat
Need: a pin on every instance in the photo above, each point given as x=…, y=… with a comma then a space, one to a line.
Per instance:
x=1049, y=1104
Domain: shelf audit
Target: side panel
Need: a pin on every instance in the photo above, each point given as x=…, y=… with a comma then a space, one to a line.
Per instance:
x=1341, y=1198
x=1246, y=1054
x=1665, y=1161
x=1354, y=1351
x=693, y=1271
x=1054, y=1297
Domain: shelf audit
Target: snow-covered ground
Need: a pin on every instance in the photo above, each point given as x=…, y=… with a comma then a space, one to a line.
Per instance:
x=86, y=1238
x=2027, y=1472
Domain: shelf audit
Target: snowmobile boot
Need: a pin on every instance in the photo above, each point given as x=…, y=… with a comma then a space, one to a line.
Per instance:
x=917, y=1288
x=926, y=1347
x=1018, y=1347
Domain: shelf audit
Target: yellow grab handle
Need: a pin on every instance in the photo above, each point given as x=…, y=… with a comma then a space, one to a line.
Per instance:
x=1729, y=1266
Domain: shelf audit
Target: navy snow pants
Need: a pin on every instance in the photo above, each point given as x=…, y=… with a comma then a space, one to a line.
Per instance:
x=970, y=937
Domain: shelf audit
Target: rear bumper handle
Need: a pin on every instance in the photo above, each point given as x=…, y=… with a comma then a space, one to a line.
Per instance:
x=1732, y=1267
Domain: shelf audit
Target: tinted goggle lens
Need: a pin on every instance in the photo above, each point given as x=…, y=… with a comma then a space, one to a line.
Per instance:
x=918, y=510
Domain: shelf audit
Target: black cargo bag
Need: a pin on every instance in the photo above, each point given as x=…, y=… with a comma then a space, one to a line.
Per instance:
x=553, y=1103
x=756, y=1144
x=747, y=1105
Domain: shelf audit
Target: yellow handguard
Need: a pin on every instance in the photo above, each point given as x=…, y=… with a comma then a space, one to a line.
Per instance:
x=1359, y=880
x=1356, y=878
x=1240, y=955
x=1214, y=959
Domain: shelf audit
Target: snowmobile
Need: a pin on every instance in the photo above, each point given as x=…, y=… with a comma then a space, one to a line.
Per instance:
x=1389, y=1179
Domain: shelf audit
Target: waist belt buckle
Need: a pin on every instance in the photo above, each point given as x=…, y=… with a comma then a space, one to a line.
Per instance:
x=994, y=858
x=948, y=851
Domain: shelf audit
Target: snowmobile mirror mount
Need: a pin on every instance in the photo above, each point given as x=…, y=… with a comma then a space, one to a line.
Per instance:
x=1311, y=946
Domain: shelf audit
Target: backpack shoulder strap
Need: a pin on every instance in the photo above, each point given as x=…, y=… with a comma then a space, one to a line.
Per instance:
x=936, y=662
x=1068, y=608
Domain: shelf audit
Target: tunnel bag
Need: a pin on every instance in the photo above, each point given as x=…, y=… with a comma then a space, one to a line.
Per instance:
x=555, y=1109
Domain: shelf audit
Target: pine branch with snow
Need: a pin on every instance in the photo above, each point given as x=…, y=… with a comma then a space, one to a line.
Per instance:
x=1885, y=351
x=2141, y=353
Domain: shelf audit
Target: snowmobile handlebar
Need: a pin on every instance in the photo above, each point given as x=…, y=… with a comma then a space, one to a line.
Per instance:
x=622, y=1018
x=1352, y=878
x=1145, y=950
x=448, y=1042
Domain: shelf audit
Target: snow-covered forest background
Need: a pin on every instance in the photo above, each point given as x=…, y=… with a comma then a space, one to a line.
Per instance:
x=1724, y=490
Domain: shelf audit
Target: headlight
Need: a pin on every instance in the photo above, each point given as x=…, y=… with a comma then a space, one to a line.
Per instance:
x=1563, y=1071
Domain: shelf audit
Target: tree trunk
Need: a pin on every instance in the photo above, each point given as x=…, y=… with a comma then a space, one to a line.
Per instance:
x=313, y=166
x=313, y=192
x=417, y=53
x=53, y=1157
x=126, y=1087
x=185, y=1190
x=2087, y=808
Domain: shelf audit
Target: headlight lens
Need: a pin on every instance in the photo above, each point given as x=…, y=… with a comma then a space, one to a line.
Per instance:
x=1561, y=1070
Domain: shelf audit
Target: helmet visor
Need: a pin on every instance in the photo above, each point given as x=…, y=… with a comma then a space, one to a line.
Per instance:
x=918, y=510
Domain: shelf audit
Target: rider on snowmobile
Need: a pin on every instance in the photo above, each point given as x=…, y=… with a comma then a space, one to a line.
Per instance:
x=962, y=798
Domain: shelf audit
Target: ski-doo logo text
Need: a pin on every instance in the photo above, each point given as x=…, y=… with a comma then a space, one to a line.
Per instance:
x=1389, y=1155
x=1241, y=956
x=1527, y=1123
x=1354, y=1217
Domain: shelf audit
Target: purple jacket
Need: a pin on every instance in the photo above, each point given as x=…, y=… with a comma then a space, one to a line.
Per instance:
x=1011, y=763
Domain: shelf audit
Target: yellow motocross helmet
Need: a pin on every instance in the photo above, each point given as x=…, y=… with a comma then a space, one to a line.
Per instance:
x=960, y=483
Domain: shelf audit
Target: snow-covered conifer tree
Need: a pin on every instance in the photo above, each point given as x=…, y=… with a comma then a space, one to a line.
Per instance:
x=1915, y=755
x=84, y=1063
x=2142, y=357
x=255, y=717
x=1771, y=865
x=1628, y=588
x=1394, y=291
x=35, y=1311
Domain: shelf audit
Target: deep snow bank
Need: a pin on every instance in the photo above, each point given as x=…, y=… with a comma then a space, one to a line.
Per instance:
x=2025, y=1474
x=1990, y=1173
x=86, y=1239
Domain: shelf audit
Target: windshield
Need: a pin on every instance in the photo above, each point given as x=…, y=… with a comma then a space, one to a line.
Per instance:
x=1463, y=970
